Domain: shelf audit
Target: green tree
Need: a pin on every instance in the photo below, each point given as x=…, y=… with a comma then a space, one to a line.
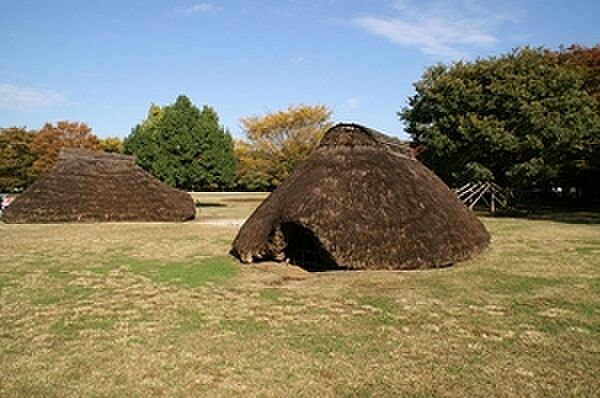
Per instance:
x=277, y=142
x=143, y=140
x=587, y=61
x=16, y=159
x=184, y=146
x=522, y=119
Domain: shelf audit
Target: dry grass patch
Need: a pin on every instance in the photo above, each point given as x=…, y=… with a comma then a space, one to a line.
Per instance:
x=137, y=310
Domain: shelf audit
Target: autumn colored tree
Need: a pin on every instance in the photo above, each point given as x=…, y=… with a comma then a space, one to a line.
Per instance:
x=277, y=141
x=522, y=119
x=112, y=144
x=16, y=159
x=184, y=146
x=253, y=168
x=51, y=139
x=587, y=60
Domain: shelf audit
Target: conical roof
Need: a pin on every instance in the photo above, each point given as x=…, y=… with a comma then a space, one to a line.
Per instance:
x=361, y=201
x=88, y=186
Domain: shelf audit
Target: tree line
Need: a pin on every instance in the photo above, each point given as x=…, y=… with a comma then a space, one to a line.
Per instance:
x=180, y=144
x=528, y=119
x=25, y=154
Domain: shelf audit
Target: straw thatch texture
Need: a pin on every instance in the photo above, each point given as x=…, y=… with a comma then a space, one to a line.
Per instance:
x=94, y=186
x=361, y=201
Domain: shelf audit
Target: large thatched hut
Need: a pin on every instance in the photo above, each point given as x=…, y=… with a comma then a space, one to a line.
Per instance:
x=361, y=201
x=88, y=186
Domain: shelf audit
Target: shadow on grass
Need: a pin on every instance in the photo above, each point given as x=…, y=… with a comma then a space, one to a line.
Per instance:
x=571, y=217
x=243, y=200
x=211, y=204
x=563, y=216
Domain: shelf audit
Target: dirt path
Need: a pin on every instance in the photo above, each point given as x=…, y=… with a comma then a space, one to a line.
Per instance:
x=226, y=221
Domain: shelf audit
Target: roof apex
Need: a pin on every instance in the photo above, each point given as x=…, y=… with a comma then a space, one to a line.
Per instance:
x=84, y=154
x=353, y=134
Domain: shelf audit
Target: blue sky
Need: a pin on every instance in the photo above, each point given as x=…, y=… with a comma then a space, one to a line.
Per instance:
x=104, y=62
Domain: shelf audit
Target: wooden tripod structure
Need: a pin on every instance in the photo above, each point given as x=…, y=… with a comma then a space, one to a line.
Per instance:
x=490, y=193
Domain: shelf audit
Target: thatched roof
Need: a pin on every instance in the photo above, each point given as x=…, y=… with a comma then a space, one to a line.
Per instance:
x=361, y=201
x=94, y=186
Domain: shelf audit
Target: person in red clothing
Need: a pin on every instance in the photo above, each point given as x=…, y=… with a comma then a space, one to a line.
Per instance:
x=6, y=201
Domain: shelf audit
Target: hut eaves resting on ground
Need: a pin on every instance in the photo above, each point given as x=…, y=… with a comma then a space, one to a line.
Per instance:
x=88, y=186
x=361, y=201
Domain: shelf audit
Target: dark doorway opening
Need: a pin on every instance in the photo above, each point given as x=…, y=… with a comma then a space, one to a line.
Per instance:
x=305, y=250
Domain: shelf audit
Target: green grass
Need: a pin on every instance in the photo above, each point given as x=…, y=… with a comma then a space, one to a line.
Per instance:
x=271, y=294
x=329, y=344
x=189, y=274
x=191, y=321
x=60, y=295
x=5, y=281
x=137, y=310
x=247, y=328
x=384, y=304
x=500, y=282
x=70, y=329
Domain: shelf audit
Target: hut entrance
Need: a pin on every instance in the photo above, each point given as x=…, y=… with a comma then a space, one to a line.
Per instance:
x=304, y=249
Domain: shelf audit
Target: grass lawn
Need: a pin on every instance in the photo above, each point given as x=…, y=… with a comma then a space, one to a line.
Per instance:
x=161, y=310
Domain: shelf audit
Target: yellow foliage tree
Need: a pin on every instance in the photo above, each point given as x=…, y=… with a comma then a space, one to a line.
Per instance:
x=277, y=142
x=112, y=144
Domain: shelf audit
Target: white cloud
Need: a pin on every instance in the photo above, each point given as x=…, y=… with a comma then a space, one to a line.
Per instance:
x=199, y=8
x=436, y=29
x=15, y=97
x=297, y=60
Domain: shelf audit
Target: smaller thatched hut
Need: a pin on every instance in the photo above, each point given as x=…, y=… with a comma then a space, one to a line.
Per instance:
x=88, y=186
x=361, y=201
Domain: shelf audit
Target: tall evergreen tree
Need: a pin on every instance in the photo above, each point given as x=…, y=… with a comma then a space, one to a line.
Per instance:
x=184, y=146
